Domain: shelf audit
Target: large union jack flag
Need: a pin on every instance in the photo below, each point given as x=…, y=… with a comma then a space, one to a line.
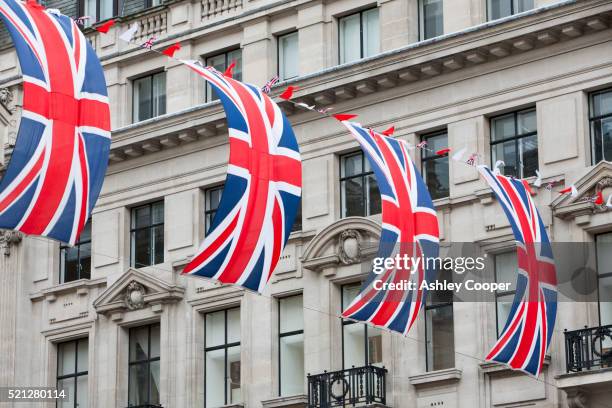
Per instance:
x=57, y=167
x=526, y=336
x=409, y=228
x=262, y=189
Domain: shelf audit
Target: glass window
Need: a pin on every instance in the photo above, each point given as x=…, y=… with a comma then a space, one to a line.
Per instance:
x=432, y=21
x=291, y=345
x=297, y=224
x=435, y=167
x=601, y=125
x=98, y=10
x=604, y=269
x=439, y=327
x=220, y=62
x=72, y=373
x=505, y=272
x=504, y=8
x=147, y=235
x=288, y=56
x=358, y=187
x=514, y=140
x=222, y=356
x=149, y=97
x=361, y=345
x=359, y=35
x=75, y=261
x=143, y=383
x=212, y=200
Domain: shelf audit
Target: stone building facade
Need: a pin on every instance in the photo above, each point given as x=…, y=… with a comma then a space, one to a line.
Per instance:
x=113, y=321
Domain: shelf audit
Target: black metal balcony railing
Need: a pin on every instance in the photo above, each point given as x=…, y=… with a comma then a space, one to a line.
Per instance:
x=351, y=387
x=588, y=348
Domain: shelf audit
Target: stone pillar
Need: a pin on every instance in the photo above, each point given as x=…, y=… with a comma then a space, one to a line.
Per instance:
x=399, y=23
x=181, y=83
x=257, y=52
x=314, y=38
x=470, y=134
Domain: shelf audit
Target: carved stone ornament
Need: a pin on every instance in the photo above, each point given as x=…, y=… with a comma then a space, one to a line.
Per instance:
x=134, y=296
x=600, y=187
x=9, y=238
x=349, y=250
x=6, y=98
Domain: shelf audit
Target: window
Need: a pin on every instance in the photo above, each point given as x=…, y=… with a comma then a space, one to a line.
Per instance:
x=604, y=270
x=72, y=373
x=288, y=56
x=504, y=8
x=222, y=355
x=359, y=35
x=435, y=167
x=147, y=234
x=98, y=10
x=514, y=140
x=505, y=272
x=75, y=261
x=432, y=20
x=212, y=200
x=361, y=345
x=143, y=384
x=601, y=125
x=297, y=224
x=220, y=62
x=439, y=327
x=358, y=187
x=149, y=97
x=291, y=345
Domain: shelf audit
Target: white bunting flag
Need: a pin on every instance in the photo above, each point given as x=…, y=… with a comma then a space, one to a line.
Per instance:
x=128, y=35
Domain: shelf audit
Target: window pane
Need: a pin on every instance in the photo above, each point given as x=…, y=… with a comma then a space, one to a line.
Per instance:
x=354, y=345
x=85, y=261
x=435, y=172
x=527, y=122
x=234, y=391
x=66, y=358
x=374, y=200
x=602, y=103
x=236, y=56
x=499, y=9
x=435, y=143
x=507, y=153
x=288, y=56
x=142, y=247
x=353, y=201
x=233, y=326
x=505, y=269
x=528, y=147
x=154, y=341
x=504, y=304
x=86, y=233
x=605, y=293
x=83, y=356
x=432, y=18
x=291, y=314
x=70, y=264
x=604, y=253
x=440, y=338
x=297, y=224
x=141, y=217
x=158, y=212
x=67, y=385
x=158, y=244
x=349, y=292
x=522, y=5
x=142, y=99
x=215, y=328
x=159, y=94
x=215, y=378
x=90, y=10
x=138, y=385
x=503, y=127
x=106, y=9
x=352, y=165
x=292, y=365
x=602, y=139
x=375, y=346
x=139, y=343
x=82, y=391
x=213, y=198
x=350, y=39
x=371, y=33
x=154, y=382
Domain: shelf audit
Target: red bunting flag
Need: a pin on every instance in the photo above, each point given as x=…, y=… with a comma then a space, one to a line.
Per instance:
x=229, y=72
x=571, y=189
x=344, y=116
x=104, y=28
x=389, y=132
x=171, y=50
x=442, y=152
x=599, y=200
x=288, y=93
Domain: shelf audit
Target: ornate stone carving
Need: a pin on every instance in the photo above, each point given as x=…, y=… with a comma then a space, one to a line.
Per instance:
x=600, y=187
x=349, y=250
x=134, y=296
x=6, y=98
x=9, y=238
x=577, y=398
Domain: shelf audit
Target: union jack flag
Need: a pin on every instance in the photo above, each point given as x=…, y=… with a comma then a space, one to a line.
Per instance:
x=267, y=88
x=409, y=227
x=57, y=168
x=262, y=188
x=526, y=336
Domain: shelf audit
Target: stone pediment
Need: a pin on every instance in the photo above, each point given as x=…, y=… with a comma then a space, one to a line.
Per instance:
x=597, y=179
x=348, y=241
x=136, y=290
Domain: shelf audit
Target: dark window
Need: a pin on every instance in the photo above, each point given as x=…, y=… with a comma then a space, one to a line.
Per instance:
x=604, y=269
x=505, y=272
x=439, y=327
x=220, y=62
x=505, y=8
x=288, y=56
x=601, y=125
x=98, y=10
x=435, y=167
x=147, y=233
x=359, y=35
x=72, y=372
x=222, y=358
x=75, y=261
x=514, y=140
x=212, y=200
x=361, y=345
x=297, y=224
x=432, y=21
x=291, y=345
x=143, y=384
x=149, y=97
x=358, y=187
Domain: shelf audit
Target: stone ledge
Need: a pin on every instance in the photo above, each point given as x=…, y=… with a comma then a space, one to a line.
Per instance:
x=439, y=377
x=294, y=401
x=80, y=286
x=491, y=367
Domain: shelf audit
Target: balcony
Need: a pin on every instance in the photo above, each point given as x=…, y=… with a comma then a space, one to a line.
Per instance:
x=588, y=349
x=357, y=386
